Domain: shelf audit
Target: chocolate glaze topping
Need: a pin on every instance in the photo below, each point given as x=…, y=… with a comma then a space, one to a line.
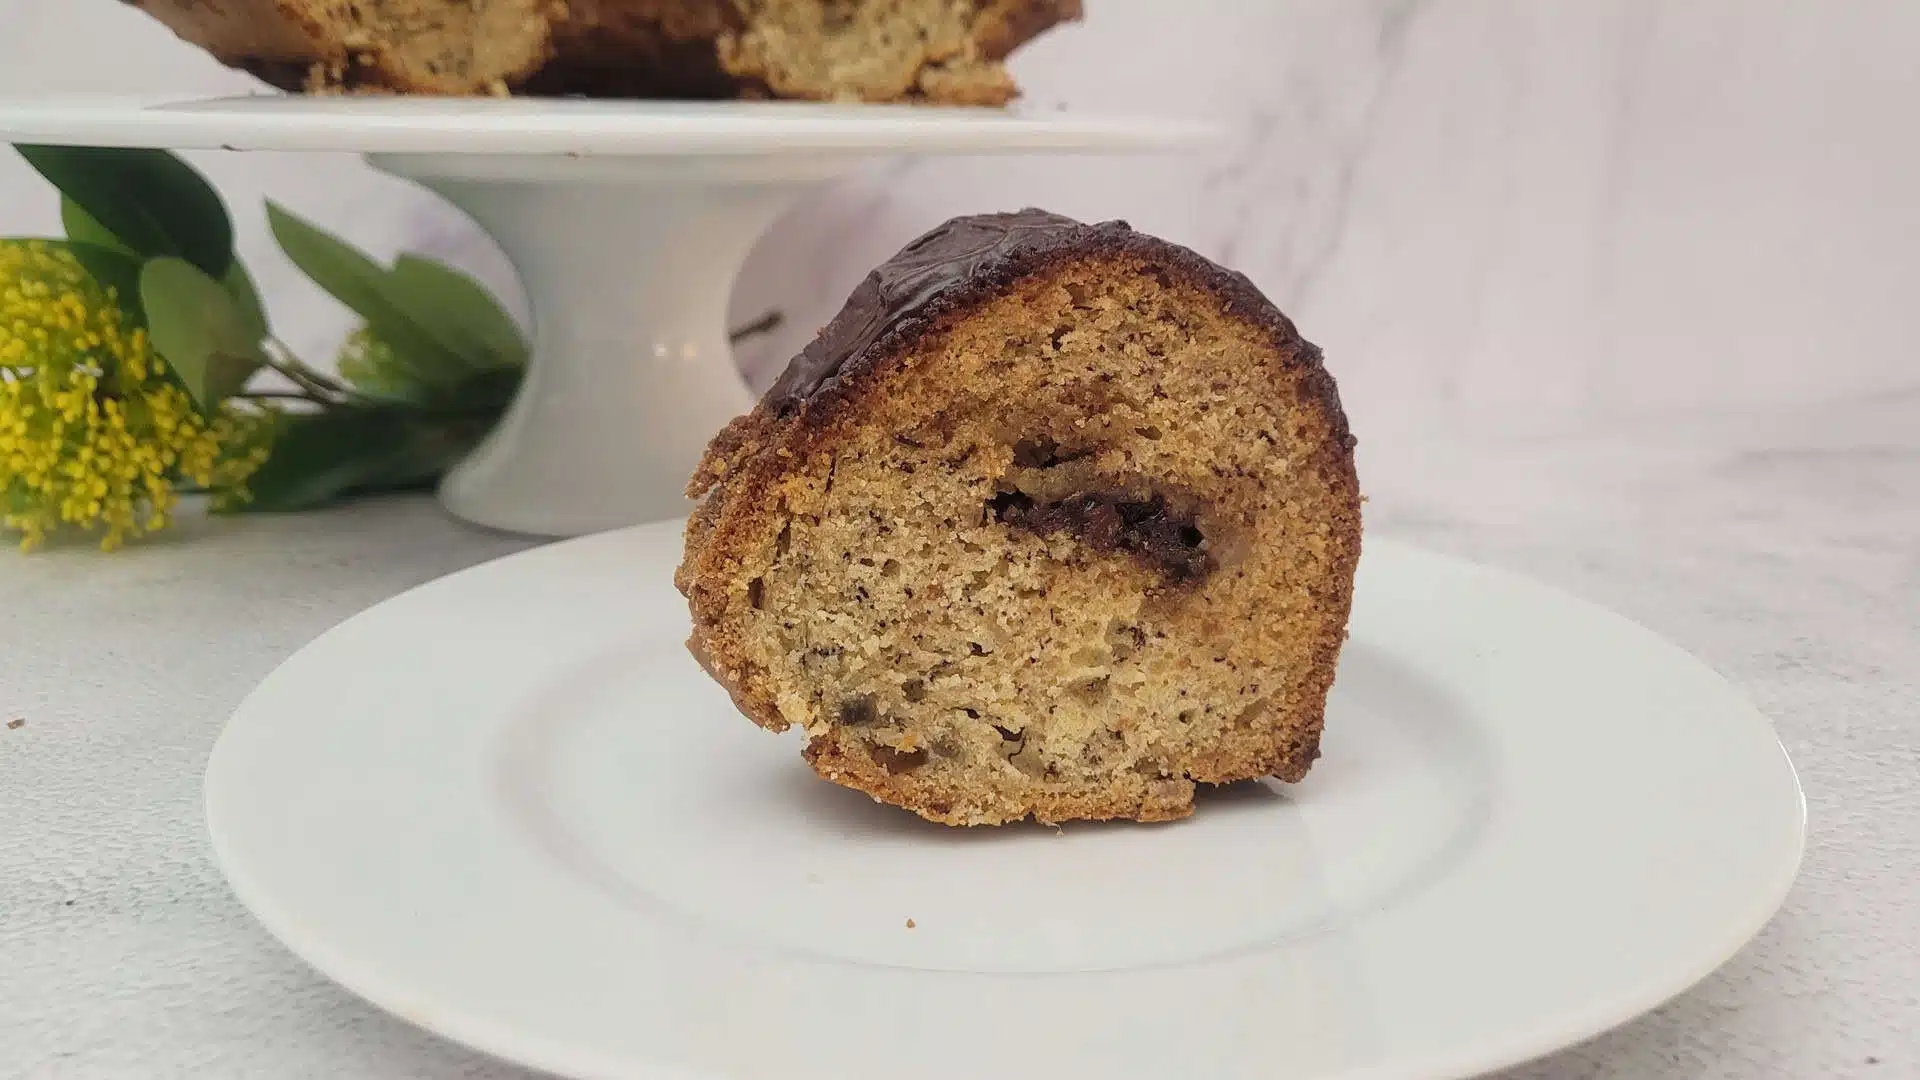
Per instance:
x=969, y=259
x=941, y=262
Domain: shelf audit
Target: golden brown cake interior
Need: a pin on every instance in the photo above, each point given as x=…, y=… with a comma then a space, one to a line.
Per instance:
x=886, y=50
x=425, y=46
x=1067, y=554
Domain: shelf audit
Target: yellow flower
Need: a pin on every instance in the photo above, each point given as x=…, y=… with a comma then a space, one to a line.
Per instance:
x=93, y=434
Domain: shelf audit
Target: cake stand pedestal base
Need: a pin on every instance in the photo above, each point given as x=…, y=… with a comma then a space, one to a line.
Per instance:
x=628, y=264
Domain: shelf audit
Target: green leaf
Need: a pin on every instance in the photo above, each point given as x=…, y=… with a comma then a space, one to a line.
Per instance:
x=239, y=286
x=487, y=393
x=81, y=227
x=333, y=264
x=458, y=311
x=112, y=262
x=152, y=201
x=362, y=284
x=322, y=457
x=119, y=271
x=199, y=329
x=116, y=269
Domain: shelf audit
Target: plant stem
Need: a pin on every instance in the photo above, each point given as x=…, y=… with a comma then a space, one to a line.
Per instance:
x=318, y=387
x=281, y=359
x=283, y=395
x=302, y=378
x=764, y=324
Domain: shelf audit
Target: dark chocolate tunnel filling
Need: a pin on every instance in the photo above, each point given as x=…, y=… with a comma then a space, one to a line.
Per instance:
x=1148, y=530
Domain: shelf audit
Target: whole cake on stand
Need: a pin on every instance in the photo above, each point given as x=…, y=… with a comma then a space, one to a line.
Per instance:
x=943, y=51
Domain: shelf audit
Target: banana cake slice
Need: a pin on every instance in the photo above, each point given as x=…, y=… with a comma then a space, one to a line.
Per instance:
x=942, y=51
x=1053, y=520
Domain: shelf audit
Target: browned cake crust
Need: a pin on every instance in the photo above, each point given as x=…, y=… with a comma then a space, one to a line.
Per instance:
x=877, y=50
x=1052, y=519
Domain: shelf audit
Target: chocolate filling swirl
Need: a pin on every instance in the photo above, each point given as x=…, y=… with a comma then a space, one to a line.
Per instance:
x=1149, y=530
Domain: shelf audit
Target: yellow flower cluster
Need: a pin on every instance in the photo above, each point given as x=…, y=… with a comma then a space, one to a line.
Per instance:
x=93, y=434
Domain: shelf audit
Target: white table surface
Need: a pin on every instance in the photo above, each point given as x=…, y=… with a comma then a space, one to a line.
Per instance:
x=1783, y=548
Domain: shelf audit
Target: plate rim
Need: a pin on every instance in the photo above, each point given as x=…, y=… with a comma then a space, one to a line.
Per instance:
x=1537, y=1040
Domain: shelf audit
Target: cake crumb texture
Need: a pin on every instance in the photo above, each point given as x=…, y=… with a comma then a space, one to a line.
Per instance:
x=1067, y=527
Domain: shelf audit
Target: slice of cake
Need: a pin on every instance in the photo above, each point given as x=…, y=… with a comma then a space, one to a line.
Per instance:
x=943, y=51
x=1052, y=520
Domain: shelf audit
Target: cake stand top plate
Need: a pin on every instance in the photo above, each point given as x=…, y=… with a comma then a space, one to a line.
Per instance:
x=388, y=125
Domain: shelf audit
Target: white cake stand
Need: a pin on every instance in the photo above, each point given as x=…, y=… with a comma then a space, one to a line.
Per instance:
x=627, y=222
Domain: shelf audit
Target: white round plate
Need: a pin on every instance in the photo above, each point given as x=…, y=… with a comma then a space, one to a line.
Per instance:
x=583, y=128
x=508, y=807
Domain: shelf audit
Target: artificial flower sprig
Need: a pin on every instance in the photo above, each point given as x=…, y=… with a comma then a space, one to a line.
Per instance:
x=131, y=350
